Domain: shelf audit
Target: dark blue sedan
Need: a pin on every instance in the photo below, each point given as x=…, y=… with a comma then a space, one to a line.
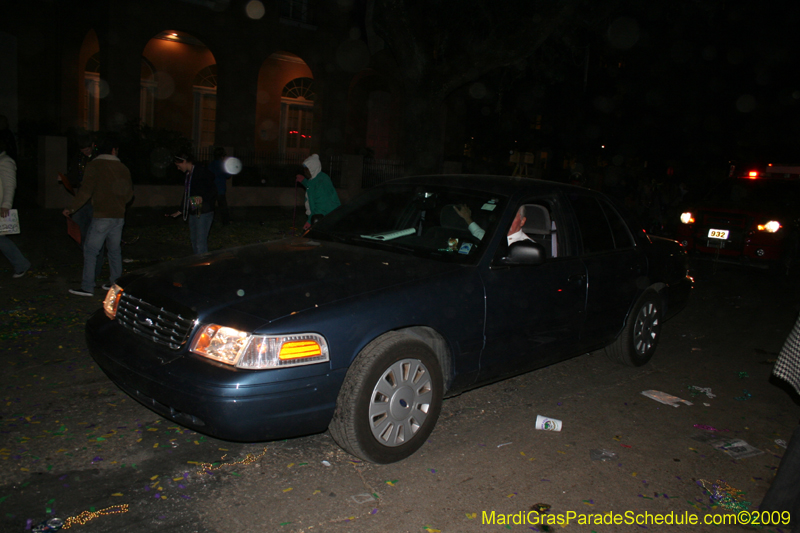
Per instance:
x=419, y=289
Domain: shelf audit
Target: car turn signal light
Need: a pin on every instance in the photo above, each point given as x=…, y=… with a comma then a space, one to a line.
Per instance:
x=299, y=349
x=111, y=302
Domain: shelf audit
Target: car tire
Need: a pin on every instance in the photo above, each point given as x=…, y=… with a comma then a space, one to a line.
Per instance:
x=639, y=338
x=390, y=400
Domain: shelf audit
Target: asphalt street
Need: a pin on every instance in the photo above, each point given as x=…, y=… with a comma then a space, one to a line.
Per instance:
x=72, y=445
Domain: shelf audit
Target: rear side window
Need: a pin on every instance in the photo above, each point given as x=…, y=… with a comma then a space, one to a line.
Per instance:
x=595, y=230
x=619, y=230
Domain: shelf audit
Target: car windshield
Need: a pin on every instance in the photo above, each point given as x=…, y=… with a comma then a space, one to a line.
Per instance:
x=746, y=192
x=417, y=219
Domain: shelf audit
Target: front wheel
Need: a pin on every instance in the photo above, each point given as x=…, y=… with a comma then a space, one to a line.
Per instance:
x=639, y=338
x=390, y=400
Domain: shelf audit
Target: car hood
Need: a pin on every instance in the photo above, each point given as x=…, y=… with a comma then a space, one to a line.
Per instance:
x=276, y=279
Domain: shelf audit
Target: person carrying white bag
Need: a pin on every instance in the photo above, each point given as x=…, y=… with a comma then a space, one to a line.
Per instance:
x=8, y=185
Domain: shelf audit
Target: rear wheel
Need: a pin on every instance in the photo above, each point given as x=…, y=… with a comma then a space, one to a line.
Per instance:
x=639, y=338
x=390, y=400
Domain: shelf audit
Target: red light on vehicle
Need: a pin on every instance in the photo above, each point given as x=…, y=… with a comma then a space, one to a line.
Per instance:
x=753, y=174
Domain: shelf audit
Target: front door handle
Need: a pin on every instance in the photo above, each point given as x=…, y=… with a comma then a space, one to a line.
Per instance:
x=576, y=277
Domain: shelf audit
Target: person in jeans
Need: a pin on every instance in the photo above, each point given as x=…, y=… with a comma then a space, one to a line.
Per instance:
x=107, y=183
x=199, y=196
x=8, y=184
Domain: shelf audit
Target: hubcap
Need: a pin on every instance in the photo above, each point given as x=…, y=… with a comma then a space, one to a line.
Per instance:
x=645, y=329
x=400, y=401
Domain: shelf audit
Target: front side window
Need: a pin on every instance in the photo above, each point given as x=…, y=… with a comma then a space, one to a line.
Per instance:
x=417, y=219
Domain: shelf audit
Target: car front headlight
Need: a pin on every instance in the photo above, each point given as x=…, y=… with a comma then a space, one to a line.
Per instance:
x=259, y=352
x=687, y=218
x=770, y=227
x=111, y=302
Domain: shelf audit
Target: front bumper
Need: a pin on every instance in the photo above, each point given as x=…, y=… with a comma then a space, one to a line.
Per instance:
x=755, y=247
x=215, y=399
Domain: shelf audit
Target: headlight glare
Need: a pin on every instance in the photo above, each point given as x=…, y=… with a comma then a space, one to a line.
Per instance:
x=259, y=352
x=111, y=302
x=770, y=227
x=687, y=218
x=219, y=343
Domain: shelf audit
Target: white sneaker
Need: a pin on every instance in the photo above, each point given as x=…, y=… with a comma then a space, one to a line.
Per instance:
x=80, y=292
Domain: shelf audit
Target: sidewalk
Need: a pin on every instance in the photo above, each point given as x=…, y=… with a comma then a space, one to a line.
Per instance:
x=149, y=237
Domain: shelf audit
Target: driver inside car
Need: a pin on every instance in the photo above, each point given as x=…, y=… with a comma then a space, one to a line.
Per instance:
x=466, y=213
x=515, y=232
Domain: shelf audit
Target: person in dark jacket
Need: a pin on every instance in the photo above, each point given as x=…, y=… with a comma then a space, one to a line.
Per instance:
x=107, y=184
x=199, y=195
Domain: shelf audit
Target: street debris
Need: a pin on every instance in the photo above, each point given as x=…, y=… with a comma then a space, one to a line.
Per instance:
x=708, y=428
x=735, y=448
x=720, y=493
x=363, y=498
x=663, y=397
x=745, y=396
x=602, y=454
x=701, y=390
x=547, y=424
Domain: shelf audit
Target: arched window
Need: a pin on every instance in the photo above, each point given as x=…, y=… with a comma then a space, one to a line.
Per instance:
x=205, y=106
x=297, y=116
x=299, y=89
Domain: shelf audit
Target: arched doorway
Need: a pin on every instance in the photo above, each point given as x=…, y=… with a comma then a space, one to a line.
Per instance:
x=183, y=87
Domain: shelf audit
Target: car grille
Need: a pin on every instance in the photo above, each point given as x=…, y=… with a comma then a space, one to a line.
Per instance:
x=154, y=323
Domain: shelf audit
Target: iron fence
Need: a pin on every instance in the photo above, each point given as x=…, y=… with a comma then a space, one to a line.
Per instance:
x=273, y=169
x=377, y=171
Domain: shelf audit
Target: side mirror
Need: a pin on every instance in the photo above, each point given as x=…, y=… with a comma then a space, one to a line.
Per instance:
x=524, y=253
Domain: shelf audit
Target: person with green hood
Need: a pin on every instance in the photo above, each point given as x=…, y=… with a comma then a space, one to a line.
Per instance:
x=321, y=197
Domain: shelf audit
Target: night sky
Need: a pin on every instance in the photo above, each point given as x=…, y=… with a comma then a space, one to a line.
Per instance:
x=681, y=84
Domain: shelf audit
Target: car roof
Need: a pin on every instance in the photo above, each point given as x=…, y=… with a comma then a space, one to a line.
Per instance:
x=505, y=185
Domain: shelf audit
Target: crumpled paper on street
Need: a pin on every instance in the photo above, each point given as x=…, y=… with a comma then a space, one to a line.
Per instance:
x=663, y=397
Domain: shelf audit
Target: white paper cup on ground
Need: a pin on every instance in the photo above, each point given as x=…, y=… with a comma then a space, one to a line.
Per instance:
x=547, y=424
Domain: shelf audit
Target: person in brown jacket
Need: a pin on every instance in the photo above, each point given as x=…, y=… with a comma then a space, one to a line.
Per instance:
x=107, y=183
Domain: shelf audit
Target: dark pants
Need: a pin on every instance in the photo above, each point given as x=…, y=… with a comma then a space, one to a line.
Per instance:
x=784, y=494
x=224, y=213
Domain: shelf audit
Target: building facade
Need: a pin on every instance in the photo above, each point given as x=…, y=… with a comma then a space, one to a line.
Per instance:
x=283, y=77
